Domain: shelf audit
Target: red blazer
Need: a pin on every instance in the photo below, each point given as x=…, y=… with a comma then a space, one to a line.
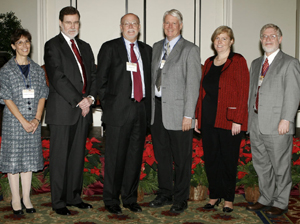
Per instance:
x=233, y=93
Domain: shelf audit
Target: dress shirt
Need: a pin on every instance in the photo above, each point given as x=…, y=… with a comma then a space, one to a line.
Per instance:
x=139, y=57
x=172, y=45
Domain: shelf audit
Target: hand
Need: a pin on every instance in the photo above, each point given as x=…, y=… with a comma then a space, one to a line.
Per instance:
x=196, y=126
x=28, y=127
x=283, y=127
x=235, y=129
x=186, y=124
x=85, y=111
x=85, y=102
x=34, y=124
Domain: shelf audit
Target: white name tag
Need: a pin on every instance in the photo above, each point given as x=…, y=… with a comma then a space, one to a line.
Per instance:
x=131, y=67
x=261, y=79
x=162, y=64
x=28, y=93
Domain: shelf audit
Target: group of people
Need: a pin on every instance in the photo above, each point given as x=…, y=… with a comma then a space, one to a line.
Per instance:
x=162, y=88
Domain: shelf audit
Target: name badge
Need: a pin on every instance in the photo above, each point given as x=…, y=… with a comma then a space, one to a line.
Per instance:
x=131, y=67
x=162, y=64
x=28, y=93
x=261, y=79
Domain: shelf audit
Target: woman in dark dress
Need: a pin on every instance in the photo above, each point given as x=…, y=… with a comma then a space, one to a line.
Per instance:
x=221, y=115
x=23, y=90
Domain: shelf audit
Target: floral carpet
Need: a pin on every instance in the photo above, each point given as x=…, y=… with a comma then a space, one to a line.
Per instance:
x=194, y=214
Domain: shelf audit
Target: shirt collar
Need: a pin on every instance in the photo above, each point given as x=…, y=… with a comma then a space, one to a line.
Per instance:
x=127, y=43
x=271, y=56
x=172, y=42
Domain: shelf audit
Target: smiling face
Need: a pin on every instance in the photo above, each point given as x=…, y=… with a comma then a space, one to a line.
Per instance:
x=130, y=27
x=222, y=43
x=70, y=25
x=270, y=41
x=172, y=27
x=22, y=47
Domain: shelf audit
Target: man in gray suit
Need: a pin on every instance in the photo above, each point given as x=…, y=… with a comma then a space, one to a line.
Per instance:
x=176, y=74
x=273, y=101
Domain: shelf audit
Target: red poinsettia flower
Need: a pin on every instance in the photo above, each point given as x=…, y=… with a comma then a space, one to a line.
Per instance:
x=148, y=155
x=85, y=170
x=241, y=174
x=94, y=151
x=46, y=163
x=148, y=139
x=46, y=153
x=86, y=160
x=93, y=139
x=295, y=149
x=88, y=144
x=297, y=162
x=192, y=171
x=243, y=143
x=96, y=171
x=46, y=144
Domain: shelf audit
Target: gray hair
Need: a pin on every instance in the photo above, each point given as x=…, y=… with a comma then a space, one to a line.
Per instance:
x=175, y=13
x=130, y=14
x=271, y=25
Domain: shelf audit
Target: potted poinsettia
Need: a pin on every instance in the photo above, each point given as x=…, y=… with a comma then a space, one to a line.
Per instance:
x=296, y=162
x=199, y=182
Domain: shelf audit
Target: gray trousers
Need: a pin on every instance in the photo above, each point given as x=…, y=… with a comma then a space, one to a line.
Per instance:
x=271, y=155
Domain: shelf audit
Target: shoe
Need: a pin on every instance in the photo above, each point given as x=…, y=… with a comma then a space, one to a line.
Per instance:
x=227, y=209
x=160, y=201
x=62, y=211
x=81, y=205
x=134, y=207
x=114, y=209
x=210, y=206
x=16, y=212
x=179, y=207
x=28, y=210
x=256, y=207
x=274, y=212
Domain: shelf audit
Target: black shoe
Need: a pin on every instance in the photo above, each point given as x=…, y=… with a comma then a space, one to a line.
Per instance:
x=160, y=201
x=28, y=210
x=134, y=207
x=227, y=209
x=81, y=205
x=114, y=209
x=16, y=212
x=179, y=207
x=62, y=211
x=210, y=206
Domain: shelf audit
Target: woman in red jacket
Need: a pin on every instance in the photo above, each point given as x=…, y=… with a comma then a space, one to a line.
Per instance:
x=221, y=115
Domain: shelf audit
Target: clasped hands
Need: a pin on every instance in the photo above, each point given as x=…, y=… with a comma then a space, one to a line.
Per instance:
x=84, y=105
x=30, y=126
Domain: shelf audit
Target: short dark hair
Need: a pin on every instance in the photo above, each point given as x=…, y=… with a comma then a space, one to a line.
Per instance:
x=69, y=10
x=18, y=34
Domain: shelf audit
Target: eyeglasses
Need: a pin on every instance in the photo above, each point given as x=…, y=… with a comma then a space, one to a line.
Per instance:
x=127, y=24
x=69, y=23
x=272, y=37
x=20, y=43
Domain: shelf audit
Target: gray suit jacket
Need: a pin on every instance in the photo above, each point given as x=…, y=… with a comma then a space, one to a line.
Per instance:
x=180, y=82
x=279, y=93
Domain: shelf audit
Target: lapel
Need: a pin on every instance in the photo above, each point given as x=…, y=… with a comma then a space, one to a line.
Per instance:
x=176, y=50
x=256, y=72
x=122, y=50
x=272, y=69
x=157, y=55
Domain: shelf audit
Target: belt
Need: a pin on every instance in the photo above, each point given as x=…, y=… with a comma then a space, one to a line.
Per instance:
x=135, y=101
x=158, y=98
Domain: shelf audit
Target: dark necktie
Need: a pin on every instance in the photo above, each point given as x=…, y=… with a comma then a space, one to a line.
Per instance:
x=264, y=70
x=158, y=78
x=78, y=56
x=137, y=81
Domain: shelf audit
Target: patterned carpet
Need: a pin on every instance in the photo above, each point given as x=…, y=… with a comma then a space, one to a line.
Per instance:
x=194, y=214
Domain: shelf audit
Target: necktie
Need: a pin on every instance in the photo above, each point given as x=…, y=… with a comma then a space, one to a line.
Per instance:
x=137, y=81
x=264, y=70
x=78, y=56
x=158, y=79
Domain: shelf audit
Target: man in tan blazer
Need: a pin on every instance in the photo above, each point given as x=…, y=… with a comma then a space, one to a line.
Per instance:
x=273, y=101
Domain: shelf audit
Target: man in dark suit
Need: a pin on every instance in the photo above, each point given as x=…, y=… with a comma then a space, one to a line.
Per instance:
x=123, y=83
x=273, y=102
x=176, y=75
x=70, y=65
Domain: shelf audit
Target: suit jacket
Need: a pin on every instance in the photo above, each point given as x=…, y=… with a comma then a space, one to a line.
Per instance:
x=114, y=83
x=180, y=81
x=233, y=93
x=65, y=89
x=279, y=93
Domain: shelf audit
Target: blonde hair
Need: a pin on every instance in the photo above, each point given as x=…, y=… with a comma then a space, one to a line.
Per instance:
x=222, y=29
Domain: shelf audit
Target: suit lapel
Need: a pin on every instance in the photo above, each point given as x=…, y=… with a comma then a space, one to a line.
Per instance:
x=274, y=65
x=122, y=50
x=176, y=50
x=157, y=54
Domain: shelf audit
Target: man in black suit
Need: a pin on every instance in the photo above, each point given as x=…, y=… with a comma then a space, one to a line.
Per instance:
x=70, y=66
x=123, y=83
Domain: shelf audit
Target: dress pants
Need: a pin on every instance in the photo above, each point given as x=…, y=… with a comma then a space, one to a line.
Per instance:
x=221, y=153
x=123, y=156
x=271, y=155
x=67, y=148
x=172, y=146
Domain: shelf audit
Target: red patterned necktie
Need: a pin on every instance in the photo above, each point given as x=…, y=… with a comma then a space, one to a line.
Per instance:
x=137, y=82
x=264, y=70
x=78, y=56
